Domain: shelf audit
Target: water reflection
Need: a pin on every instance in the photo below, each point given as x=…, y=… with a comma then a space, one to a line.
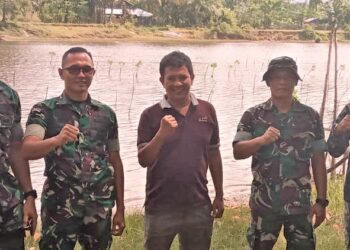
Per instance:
x=127, y=80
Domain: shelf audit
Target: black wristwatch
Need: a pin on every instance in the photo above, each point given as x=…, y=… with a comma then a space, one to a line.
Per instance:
x=322, y=202
x=30, y=193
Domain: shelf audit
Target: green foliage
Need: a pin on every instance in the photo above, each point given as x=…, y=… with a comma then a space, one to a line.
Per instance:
x=247, y=28
x=10, y=9
x=186, y=13
x=347, y=31
x=313, y=4
x=225, y=30
x=270, y=14
x=296, y=95
x=308, y=33
x=63, y=11
x=223, y=17
x=226, y=25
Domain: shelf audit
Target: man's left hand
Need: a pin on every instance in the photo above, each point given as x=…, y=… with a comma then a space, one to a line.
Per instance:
x=29, y=215
x=118, y=223
x=319, y=212
x=218, y=207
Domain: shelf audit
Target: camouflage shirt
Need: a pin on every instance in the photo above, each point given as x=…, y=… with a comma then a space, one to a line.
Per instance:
x=337, y=145
x=10, y=130
x=77, y=171
x=281, y=170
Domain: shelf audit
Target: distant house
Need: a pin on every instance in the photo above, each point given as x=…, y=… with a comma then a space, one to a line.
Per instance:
x=126, y=9
x=312, y=20
x=316, y=22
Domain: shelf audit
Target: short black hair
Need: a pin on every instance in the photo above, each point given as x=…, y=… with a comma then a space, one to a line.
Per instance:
x=74, y=50
x=176, y=59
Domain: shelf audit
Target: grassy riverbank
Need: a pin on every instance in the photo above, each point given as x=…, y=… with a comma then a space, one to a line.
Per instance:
x=37, y=31
x=229, y=232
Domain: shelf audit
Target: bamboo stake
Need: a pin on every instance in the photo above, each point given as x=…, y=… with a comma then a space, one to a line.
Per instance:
x=325, y=88
x=335, y=108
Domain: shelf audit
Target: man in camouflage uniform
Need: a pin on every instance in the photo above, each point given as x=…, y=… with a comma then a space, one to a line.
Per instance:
x=338, y=142
x=14, y=216
x=282, y=135
x=78, y=136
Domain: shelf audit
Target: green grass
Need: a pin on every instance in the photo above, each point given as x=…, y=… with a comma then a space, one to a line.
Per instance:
x=229, y=232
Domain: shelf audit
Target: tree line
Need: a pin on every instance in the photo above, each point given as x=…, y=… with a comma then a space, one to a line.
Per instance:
x=226, y=14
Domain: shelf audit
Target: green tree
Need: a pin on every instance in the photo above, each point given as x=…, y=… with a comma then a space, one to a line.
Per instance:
x=66, y=11
x=313, y=4
x=184, y=13
x=270, y=13
x=341, y=9
x=9, y=9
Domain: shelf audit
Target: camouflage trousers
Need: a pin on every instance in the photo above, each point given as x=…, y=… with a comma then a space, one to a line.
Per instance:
x=264, y=230
x=347, y=224
x=11, y=205
x=12, y=240
x=64, y=224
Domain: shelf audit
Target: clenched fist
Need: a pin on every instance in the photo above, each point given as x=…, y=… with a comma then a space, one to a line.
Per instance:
x=68, y=133
x=168, y=125
x=270, y=136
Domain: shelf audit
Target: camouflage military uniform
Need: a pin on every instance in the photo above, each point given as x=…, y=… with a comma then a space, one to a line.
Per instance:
x=281, y=189
x=78, y=194
x=337, y=145
x=11, y=209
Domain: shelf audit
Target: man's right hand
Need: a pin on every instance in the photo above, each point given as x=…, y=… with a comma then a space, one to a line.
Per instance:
x=343, y=126
x=29, y=215
x=270, y=136
x=68, y=133
x=168, y=125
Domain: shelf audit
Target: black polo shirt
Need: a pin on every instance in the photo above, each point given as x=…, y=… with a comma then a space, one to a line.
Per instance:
x=178, y=177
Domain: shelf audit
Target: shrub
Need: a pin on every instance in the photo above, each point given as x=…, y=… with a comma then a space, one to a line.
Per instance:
x=225, y=30
x=308, y=33
x=347, y=32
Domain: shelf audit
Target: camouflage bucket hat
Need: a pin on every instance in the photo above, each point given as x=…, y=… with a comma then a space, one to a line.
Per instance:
x=283, y=62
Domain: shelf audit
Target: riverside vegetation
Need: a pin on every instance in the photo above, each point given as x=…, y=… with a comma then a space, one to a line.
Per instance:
x=194, y=19
x=34, y=31
x=229, y=232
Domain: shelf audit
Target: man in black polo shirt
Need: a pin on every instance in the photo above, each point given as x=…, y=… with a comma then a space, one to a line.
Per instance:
x=178, y=139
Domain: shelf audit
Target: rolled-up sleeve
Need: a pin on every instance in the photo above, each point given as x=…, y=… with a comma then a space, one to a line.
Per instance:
x=113, y=137
x=244, y=128
x=319, y=144
x=37, y=121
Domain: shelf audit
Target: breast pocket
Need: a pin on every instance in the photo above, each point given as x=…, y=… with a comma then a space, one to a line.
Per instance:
x=302, y=144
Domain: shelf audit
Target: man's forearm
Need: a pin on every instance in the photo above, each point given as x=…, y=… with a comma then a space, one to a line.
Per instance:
x=34, y=148
x=117, y=164
x=215, y=167
x=149, y=153
x=119, y=186
x=245, y=149
x=20, y=167
x=320, y=175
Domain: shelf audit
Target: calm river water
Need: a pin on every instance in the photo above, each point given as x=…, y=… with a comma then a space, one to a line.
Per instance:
x=227, y=74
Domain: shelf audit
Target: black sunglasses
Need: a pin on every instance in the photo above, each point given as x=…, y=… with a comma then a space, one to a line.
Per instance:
x=75, y=70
